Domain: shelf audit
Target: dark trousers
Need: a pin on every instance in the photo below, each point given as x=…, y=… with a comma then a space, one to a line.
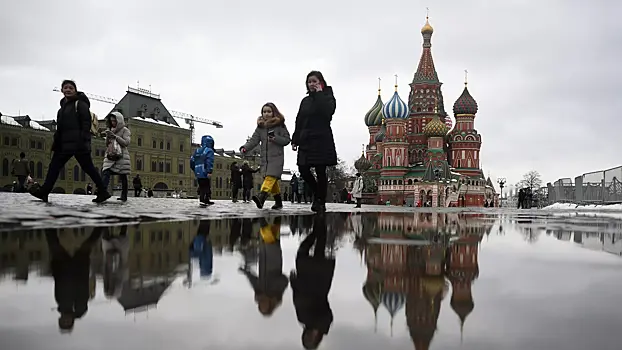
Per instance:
x=234, y=191
x=358, y=202
x=246, y=193
x=137, y=191
x=60, y=159
x=106, y=174
x=205, y=190
x=318, y=187
x=21, y=180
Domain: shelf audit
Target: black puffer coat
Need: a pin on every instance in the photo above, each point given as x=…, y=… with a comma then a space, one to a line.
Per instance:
x=313, y=134
x=73, y=129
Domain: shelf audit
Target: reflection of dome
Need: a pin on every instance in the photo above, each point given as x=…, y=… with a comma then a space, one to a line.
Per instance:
x=465, y=104
x=373, y=292
x=374, y=115
x=435, y=128
x=433, y=285
x=462, y=307
x=394, y=302
x=395, y=108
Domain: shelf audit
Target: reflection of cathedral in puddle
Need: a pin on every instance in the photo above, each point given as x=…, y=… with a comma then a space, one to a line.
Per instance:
x=409, y=260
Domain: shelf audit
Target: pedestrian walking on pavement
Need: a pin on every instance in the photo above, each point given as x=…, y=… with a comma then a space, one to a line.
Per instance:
x=72, y=139
x=272, y=136
x=236, y=181
x=313, y=137
x=202, y=164
x=247, y=181
x=117, y=159
x=21, y=170
x=357, y=190
x=138, y=186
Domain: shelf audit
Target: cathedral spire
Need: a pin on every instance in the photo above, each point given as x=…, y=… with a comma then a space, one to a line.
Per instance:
x=426, y=73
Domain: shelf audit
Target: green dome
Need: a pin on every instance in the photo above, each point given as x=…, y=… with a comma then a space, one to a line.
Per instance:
x=374, y=116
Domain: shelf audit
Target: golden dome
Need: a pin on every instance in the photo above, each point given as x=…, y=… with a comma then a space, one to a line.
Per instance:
x=427, y=28
x=435, y=128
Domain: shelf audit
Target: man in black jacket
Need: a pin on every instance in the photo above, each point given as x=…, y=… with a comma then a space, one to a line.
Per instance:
x=72, y=139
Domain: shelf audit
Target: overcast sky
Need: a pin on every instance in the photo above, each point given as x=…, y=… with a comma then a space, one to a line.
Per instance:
x=546, y=75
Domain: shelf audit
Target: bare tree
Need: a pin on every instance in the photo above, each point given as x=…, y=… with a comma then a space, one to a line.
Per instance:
x=338, y=174
x=531, y=180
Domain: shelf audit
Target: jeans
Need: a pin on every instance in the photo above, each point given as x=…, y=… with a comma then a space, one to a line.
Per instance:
x=138, y=191
x=60, y=159
x=21, y=180
x=234, y=192
x=124, y=186
x=317, y=187
x=205, y=190
x=246, y=193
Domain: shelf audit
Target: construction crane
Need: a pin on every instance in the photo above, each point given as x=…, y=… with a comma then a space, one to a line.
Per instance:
x=188, y=118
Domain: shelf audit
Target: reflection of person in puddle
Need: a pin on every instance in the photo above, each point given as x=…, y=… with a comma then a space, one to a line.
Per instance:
x=201, y=248
x=271, y=283
x=71, y=277
x=116, y=250
x=311, y=284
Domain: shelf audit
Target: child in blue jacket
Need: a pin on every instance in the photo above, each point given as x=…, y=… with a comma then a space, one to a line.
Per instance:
x=202, y=163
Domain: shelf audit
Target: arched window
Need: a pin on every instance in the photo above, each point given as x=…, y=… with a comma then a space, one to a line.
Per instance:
x=168, y=146
x=5, y=167
x=31, y=166
x=76, y=173
x=161, y=144
x=39, y=170
x=154, y=144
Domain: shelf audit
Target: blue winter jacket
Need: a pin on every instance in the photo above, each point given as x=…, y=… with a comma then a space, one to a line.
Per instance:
x=202, y=160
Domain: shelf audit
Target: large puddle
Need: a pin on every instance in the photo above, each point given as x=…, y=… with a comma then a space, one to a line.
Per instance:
x=343, y=281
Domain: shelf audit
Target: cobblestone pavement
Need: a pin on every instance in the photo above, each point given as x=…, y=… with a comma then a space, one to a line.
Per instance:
x=19, y=210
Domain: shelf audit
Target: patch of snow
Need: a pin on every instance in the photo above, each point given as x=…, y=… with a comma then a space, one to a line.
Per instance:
x=37, y=126
x=182, y=123
x=154, y=121
x=10, y=121
x=593, y=207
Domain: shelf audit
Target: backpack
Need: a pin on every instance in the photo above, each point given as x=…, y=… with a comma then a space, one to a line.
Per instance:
x=94, y=122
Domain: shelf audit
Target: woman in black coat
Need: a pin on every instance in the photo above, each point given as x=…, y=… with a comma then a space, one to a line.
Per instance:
x=247, y=181
x=236, y=180
x=313, y=137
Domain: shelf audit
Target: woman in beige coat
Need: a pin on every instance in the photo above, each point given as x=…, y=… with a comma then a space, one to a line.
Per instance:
x=115, y=162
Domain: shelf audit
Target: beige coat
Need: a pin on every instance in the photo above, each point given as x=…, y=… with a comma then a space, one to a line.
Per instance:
x=123, y=135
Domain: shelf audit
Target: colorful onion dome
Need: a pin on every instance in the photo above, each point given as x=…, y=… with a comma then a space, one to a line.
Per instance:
x=435, y=128
x=448, y=122
x=465, y=104
x=433, y=285
x=395, y=108
x=427, y=28
x=462, y=307
x=393, y=301
x=381, y=133
x=362, y=164
x=373, y=292
x=374, y=116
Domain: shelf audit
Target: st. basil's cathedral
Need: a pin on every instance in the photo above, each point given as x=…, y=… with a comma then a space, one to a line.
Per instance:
x=414, y=157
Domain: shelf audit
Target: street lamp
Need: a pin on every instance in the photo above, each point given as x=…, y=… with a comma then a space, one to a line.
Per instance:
x=501, y=181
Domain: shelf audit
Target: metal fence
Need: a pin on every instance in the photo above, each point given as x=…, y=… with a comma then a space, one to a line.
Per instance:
x=598, y=187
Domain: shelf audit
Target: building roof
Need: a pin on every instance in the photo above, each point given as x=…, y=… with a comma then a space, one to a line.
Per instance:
x=426, y=72
x=374, y=116
x=465, y=104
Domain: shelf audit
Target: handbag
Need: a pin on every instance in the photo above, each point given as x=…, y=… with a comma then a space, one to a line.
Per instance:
x=114, y=151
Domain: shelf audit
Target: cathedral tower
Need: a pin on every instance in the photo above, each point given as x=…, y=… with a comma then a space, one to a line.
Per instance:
x=395, y=145
x=465, y=141
x=374, y=121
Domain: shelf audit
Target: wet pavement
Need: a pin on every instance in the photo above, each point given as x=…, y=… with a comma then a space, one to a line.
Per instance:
x=368, y=280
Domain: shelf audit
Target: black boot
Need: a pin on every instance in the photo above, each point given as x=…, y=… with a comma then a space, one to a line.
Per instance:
x=318, y=205
x=42, y=195
x=102, y=196
x=260, y=199
x=358, y=203
x=278, y=202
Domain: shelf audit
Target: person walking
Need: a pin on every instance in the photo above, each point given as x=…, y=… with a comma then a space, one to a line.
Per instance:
x=294, y=187
x=357, y=190
x=247, y=181
x=236, y=181
x=138, y=186
x=21, y=170
x=72, y=139
x=272, y=136
x=202, y=164
x=313, y=137
x=117, y=157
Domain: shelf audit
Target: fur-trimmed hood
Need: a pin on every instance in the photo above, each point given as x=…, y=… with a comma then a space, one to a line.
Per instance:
x=270, y=122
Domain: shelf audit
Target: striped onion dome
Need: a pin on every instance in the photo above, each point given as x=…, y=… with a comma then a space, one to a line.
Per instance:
x=393, y=301
x=448, y=122
x=381, y=133
x=395, y=108
x=362, y=164
x=435, y=128
x=374, y=116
